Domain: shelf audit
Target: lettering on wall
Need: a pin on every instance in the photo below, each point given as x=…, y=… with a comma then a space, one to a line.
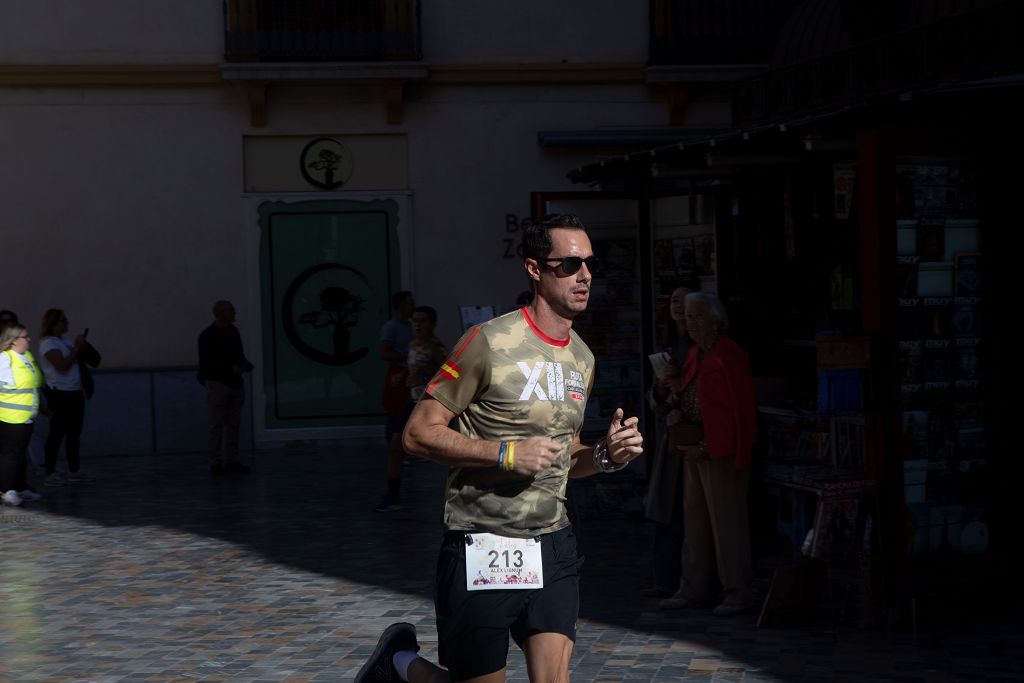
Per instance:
x=510, y=242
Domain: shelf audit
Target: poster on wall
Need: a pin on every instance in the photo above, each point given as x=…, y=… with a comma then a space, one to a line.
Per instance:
x=968, y=275
x=843, y=176
x=676, y=259
x=931, y=238
x=906, y=277
x=704, y=254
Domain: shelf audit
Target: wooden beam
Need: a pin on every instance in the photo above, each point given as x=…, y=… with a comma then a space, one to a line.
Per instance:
x=33, y=76
x=498, y=74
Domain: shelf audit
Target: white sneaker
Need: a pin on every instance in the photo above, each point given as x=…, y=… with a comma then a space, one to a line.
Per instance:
x=11, y=498
x=29, y=494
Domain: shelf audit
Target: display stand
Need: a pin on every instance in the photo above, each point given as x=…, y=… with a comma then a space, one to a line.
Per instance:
x=941, y=365
x=815, y=470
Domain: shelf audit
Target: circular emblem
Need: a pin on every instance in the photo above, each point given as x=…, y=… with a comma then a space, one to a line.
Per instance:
x=326, y=163
x=321, y=308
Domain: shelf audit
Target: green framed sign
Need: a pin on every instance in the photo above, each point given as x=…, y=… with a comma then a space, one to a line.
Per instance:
x=327, y=272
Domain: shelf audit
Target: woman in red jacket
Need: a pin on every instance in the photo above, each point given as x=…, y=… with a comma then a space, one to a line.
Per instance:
x=718, y=393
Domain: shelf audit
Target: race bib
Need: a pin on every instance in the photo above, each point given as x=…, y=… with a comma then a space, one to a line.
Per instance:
x=499, y=563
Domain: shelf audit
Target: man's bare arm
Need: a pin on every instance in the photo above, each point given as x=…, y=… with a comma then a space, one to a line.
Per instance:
x=427, y=434
x=624, y=443
x=582, y=463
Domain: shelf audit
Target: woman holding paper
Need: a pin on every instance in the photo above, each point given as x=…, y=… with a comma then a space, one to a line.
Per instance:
x=665, y=492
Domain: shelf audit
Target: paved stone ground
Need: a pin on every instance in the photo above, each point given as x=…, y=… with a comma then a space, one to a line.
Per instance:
x=155, y=572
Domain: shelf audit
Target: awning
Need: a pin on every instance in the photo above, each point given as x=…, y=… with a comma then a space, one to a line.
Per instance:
x=629, y=138
x=709, y=155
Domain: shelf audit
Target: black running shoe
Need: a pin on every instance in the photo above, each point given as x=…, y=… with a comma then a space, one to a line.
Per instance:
x=380, y=668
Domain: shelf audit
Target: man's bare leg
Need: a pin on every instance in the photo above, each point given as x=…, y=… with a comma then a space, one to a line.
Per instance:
x=422, y=671
x=547, y=657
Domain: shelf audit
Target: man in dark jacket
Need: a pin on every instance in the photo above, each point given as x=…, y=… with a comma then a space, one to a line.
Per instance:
x=221, y=364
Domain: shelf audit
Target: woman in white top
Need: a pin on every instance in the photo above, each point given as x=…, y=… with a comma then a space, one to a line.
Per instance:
x=64, y=395
x=20, y=379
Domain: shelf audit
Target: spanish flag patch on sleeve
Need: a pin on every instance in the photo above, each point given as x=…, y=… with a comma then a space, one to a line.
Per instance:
x=450, y=370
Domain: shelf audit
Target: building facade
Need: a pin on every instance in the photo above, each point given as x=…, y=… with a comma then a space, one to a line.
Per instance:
x=304, y=160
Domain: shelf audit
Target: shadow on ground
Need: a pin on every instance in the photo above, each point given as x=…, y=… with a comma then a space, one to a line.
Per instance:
x=312, y=509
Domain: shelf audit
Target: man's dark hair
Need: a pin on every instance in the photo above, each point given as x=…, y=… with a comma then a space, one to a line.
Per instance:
x=429, y=310
x=398, y=298
x=537, y=232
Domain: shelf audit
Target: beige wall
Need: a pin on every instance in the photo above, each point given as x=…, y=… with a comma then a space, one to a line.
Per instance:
x=122, y=209
x=130, y=203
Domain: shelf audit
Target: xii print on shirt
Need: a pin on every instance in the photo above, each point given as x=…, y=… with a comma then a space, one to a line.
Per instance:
x=557, y=385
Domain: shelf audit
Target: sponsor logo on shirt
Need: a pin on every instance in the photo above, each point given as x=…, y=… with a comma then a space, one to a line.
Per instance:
x=547, y=381
x=575, y=386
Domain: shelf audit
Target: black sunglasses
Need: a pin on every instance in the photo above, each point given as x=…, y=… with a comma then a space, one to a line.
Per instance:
x=572, y=264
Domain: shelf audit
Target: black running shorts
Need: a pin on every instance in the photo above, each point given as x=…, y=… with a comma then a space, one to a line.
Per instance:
x=473, y=627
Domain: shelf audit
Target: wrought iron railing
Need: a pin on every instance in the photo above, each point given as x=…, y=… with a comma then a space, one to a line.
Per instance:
x=703, y=32
x=321, y=30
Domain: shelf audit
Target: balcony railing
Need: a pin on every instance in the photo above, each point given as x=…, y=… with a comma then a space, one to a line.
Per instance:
x=322, y=30
x=704, y=32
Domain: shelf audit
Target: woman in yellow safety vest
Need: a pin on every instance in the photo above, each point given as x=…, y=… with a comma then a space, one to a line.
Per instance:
x=20, y=380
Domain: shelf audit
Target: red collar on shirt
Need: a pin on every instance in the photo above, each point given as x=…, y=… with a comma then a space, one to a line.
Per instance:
x=537, y=331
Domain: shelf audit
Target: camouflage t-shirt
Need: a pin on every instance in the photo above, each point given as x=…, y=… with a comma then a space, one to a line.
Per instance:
x=507, y=381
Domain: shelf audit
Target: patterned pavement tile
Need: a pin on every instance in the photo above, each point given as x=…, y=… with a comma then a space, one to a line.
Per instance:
x=155, y=572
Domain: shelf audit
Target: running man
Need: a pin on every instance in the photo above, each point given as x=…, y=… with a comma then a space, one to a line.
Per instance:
x=518, y=385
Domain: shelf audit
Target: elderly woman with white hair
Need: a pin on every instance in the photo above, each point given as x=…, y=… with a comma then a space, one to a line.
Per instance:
x=718, y=393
